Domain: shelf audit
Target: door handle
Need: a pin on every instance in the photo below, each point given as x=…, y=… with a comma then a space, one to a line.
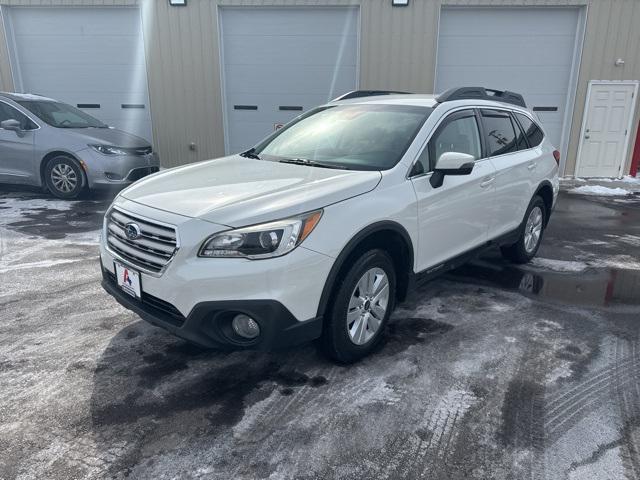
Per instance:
x=532, y=166
x=487, y=182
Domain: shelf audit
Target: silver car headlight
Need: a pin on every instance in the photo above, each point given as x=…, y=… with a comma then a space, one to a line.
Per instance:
x=110, y=150
x=266, y=240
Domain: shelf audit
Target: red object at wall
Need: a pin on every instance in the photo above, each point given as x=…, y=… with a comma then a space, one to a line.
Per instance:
x=635, y=160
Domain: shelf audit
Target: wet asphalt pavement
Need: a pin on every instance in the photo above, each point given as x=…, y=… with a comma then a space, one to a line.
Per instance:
x=490, y=372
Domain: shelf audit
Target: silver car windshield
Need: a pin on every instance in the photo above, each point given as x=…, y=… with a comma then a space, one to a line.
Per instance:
x=61, y=115
x=355, y=137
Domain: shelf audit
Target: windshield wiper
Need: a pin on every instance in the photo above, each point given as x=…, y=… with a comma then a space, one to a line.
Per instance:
x=251, y=153
x=311, y=163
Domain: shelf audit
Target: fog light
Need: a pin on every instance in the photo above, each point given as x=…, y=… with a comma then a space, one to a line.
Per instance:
x=245, y=326
x=112, y=176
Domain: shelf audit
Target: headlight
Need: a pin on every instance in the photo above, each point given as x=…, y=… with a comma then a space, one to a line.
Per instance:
x=109, y=150
x=267, y=240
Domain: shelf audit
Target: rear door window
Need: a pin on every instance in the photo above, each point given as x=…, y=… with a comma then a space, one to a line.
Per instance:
x=532, y=131
x=500, y=133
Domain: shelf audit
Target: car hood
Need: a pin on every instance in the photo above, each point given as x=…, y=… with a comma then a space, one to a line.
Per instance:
x=237, y=191
x=106, y=136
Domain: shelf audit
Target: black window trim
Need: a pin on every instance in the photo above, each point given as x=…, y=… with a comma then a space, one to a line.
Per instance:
x=447, y=117
x=38, y=127
x=522, y=131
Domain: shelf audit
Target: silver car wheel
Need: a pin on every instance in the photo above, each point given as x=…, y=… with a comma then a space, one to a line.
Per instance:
x=533, y=229
x=368, y=305
x=64, y=178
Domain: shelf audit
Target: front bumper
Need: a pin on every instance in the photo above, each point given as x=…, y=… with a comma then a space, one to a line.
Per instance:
x=208, y=324
x=115, y=171
x=191, y=294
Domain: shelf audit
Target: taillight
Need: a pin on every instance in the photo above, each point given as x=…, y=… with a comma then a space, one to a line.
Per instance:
x=556, y=155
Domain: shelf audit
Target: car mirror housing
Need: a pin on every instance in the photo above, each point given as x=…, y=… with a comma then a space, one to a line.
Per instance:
x=11, y=124
x=451, y=163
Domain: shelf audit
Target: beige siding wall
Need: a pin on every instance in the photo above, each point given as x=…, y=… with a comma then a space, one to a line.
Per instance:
x=612, y=32
x=398, y=51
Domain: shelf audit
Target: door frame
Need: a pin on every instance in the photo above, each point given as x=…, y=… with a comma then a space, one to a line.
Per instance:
x=585, y=115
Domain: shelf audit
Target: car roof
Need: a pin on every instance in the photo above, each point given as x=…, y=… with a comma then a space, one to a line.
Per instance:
x=25, y=96
x=431, y=101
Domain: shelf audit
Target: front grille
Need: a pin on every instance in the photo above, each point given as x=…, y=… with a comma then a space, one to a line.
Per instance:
x=138, y=151
x=169, y=313
x=138, y=173
x=151, y=251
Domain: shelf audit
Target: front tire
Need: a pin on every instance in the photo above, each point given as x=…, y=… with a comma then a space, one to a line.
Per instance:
x=531, y=233
x=362, y=304
x=64, y=177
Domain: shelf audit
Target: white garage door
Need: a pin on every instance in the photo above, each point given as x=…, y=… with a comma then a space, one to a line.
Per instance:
x=279, y=62
x=526, y=50
x=88, y=57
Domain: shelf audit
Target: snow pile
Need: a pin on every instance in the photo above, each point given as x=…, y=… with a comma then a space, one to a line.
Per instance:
x=599, y=190
x=630, y=179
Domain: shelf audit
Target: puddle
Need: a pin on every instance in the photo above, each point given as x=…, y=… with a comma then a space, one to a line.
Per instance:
x=39, y=215
x=592, y=287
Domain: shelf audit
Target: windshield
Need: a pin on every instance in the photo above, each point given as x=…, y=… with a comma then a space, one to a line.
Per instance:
x=61, y=115
x=356, y=137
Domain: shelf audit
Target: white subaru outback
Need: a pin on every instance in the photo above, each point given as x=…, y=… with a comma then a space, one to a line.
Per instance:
x=321, y=229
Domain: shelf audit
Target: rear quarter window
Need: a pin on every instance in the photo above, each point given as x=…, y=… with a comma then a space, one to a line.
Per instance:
x=532, y=131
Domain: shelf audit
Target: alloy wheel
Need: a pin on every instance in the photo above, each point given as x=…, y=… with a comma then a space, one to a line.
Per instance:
x=64, y=178
x=368, y=305
x=533, y=230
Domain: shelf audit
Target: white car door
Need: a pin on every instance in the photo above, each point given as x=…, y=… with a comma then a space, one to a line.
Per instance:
x=515, y=165
x=453, y=218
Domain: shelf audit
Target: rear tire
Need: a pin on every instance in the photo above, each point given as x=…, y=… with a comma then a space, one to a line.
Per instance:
x=531, y=232
x=362, y=303
x=64, y=177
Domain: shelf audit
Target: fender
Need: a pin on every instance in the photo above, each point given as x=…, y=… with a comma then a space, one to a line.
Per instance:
x=351, y=246
x=544, y=184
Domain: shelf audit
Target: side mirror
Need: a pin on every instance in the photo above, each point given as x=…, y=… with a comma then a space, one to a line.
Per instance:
x=11, y=124
x=451, y=163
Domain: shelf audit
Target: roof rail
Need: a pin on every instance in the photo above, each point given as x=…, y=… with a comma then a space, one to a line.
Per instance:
x=481, y=93
x=367, y=93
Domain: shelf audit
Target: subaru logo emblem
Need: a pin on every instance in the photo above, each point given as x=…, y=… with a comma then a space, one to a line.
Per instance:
x=132, y=231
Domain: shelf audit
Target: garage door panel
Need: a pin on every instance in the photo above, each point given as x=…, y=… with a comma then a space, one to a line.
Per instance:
x=289, y=22
x=76, y=21
x=289, y=79
x=549, y=51
x=528, y=80
x=265, y=50
x=512, y=21
x=49, y=79
x=63, y=49
x=526, y=50
x=86, y=55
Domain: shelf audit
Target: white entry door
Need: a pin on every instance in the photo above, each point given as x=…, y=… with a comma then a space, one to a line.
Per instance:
x=606, y=129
